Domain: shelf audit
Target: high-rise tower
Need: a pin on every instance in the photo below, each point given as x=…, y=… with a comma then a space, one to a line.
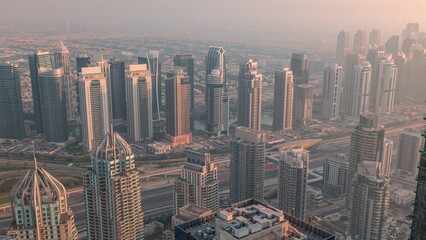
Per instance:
x=11, y=113
x=375, y=38
x=408, y=151
x=387, y=85
x=40, y=208
x=216, y=60
x=198, y=182
x=331, y=92
x=247, y=164
x=342, y=48
x=335, y=177
x=152, y=60
x=36, y=61
x=300, y=67
x=62, y=60
x=95, y=119
x=139, y=102
x=81, y=62
x=360, y=96
x=178, y=96
x=392, y=45
x=360, y=42
x=53, y=104
x=351, y=61
x=366, y=145
x=217, y=104
x=250, y=96
x=187, y=61
x=418, y=226
x=368, y=220
x=283, y=100
x=303, y=105
x=112, y=192
x=118, y=91
x=292, y=180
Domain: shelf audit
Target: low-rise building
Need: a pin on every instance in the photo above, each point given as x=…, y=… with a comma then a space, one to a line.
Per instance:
x=249, y=220
x=402, y=196
x=158, y=148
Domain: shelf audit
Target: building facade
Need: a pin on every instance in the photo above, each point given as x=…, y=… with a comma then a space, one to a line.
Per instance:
x=283, y=100
x=292, y=181
x=360, y=42
x=11, y=112
x=139, y=102
x=187, y=61
x=94, y=101
x=342, y=48
x=198, y=182
x=360, y=96
x=250, y=96
x=53, y=104
x=300, y=67
x=335, y=176
x=331, y=92
x=40, y=208
x=408, y=151
x=217, y=105
x=303, y=105
x=112, y=192
x=247, y=164
x=118, y=91
x=178, y=109
x=351, y=61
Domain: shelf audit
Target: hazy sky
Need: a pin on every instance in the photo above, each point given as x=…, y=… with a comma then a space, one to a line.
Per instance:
x=323, y=15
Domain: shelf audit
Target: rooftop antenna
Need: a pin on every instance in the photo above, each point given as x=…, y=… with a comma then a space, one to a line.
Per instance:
x=34, y=157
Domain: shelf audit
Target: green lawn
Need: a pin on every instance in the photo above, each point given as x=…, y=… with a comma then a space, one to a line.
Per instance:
x=4, y=200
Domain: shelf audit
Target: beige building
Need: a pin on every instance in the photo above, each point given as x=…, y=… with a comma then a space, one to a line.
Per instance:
x=408, y=153
x=303, y=105
x=250, y=96
x=112, y=192
x=139, y=102
x=189, y=212
x=94, y=100
x=178, y=108
x=283, y=100
x=198, y=182
x=40, y=208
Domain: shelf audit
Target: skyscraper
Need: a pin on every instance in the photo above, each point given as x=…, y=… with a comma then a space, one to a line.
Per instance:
x=392, y=45
x=360, y=42
x=95, y=119
x=292, y=180
x=187, y=61
x=40, y=208
x=250, y=96
x=335, y=177
x=152, y=60
x=401, y=88
x=417, y=71
x=342, y=48
x=407, y=44
x=62, y=60
x=361, y=90
x=375, y=38
x=139, y=102
x=368, y=220
x=36, y=61
x=303, y=105
x=11, y=113
x=387, y=85
x=331, y=92
x=53, y=104
x=385, y=164
x=283, y=100
x=217, y=104
x=418, y=226
x=112, y=192
x=118, y=90
x=408, y=151
x=366, y=145
x=82, y=61
x=411, y=30
x=351, y=61
x=247, y=164
x=300, y=67
x=178, y=96
x=374, y=56
x=198, y=182
x=216, y=60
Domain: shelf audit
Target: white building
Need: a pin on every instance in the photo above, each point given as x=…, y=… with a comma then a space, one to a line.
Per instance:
x=362, y=88
x=387, y=81
x=331, y=92
x=139, y=102
x=94, y=104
